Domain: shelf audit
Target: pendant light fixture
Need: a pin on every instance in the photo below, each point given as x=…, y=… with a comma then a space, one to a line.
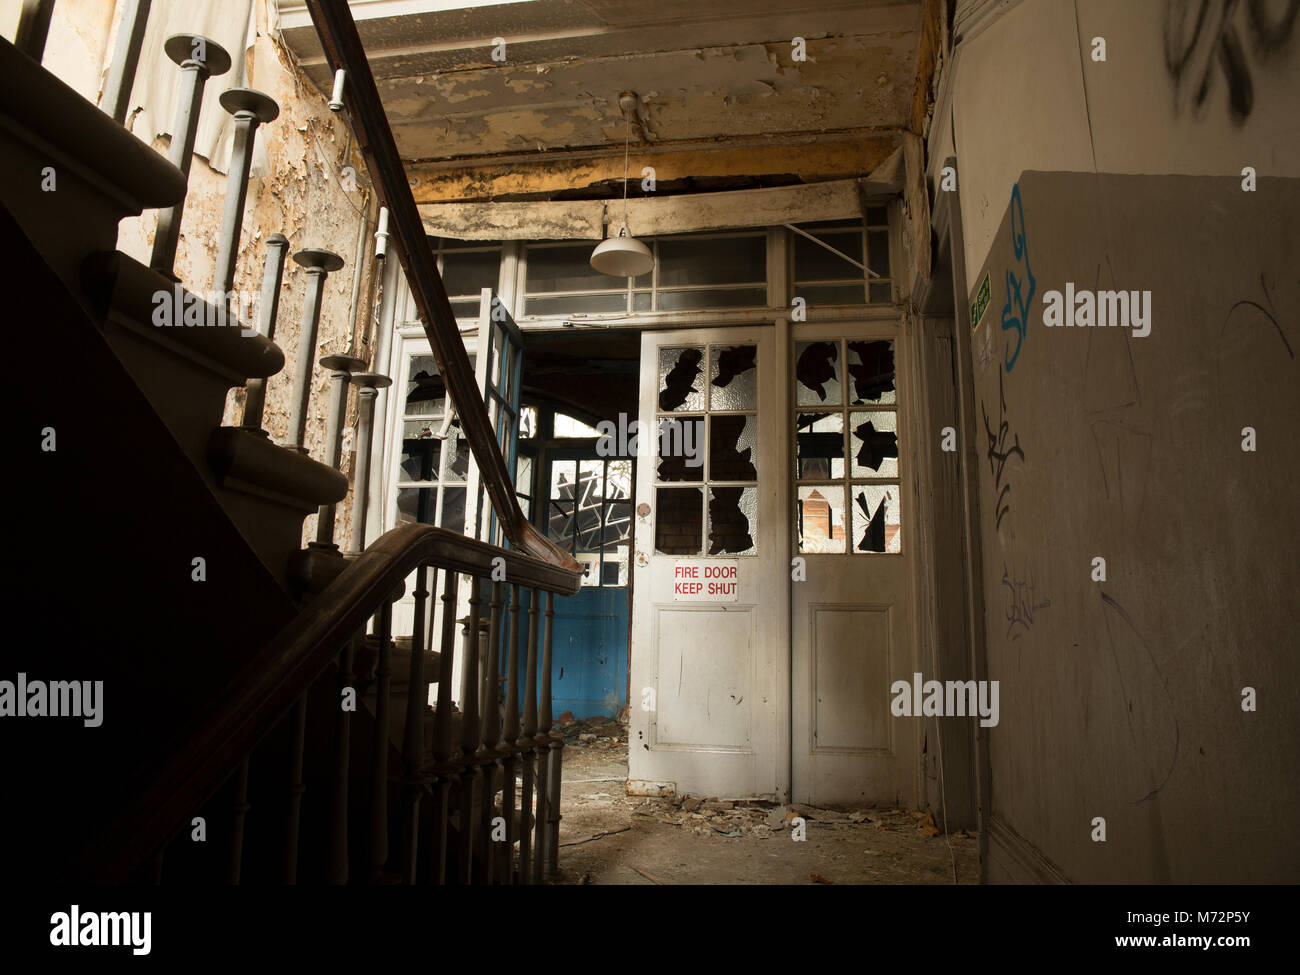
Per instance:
x=623, y=256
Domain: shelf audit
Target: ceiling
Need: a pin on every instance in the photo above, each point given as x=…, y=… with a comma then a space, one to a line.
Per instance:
x=709, y=73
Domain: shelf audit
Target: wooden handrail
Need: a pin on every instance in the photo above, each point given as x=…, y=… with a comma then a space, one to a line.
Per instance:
x=271, y=684
x=343, y=49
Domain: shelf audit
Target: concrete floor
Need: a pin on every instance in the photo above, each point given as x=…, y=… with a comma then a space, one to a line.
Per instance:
x=608, y=837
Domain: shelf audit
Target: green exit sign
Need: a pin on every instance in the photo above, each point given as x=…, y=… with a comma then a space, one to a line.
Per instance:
x=981, y=302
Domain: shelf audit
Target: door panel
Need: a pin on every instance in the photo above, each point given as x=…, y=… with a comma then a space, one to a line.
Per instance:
x=710, y=671
x=852, y=628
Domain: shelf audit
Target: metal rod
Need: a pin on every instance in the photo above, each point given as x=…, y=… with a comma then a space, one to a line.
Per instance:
x=318, y=264
x=369, y=384
x=469, y=736
x=379, y=763
x=277, y=248
x=126, y=58
x=337, y=872
x=250, y=109
x=296, y=788
x=509, y=735
x=417, y=696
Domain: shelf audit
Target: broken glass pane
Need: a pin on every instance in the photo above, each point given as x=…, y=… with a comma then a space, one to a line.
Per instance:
x=679, y=521
x=873, y=444
x=588, y=528
x=591, y=475
x=455, y=455
x=877, y=526
x=733, y=443
x=420, y=458
x=416, y=505
x=680, y=447
x=733, y=378
x=559, y=524
x=524, y=474
x=681, y=388
x=819, y=446
x=821, y=519
x=425, y=392
x=453, y=509
x=817, y=369
x=564, y=480
x=871, y=371
x=618, y=479
x=733, y=520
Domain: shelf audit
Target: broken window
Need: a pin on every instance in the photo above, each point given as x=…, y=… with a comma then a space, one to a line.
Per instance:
x=589, y=514
x=434, y=459
x=718, y=386
x=847, y=459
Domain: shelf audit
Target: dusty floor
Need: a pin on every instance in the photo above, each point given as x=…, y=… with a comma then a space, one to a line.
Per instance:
x=608, y=837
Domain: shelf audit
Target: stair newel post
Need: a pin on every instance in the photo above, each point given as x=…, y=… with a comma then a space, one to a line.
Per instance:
x=369, y=384
x=417, y=697
x=200, y=58
x=547, y=788
x=250, y=109
x=268, y=309
x=239, y=811
x=296, y=788
x=379, y=762
x=442, y=743
x=509, y=735
x=528, y=744
x=126, y=58
x=338, y=857
x=488, y=758
x=469, y=735
x=318, y=265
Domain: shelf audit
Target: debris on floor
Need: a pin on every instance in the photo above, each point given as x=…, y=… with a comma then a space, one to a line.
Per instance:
x=690, y=839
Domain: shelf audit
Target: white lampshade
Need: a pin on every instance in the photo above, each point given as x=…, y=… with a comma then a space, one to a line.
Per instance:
x=623, y=256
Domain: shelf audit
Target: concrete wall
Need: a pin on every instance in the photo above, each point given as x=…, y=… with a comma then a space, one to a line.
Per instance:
x=1122, y=698
x=295, y=190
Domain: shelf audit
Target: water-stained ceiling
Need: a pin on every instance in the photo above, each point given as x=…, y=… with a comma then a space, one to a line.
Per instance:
x=709, y=73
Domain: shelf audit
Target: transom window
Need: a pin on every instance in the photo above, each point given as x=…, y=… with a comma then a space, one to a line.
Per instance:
x=846, y=457
x=824, y=278
x=467, y=267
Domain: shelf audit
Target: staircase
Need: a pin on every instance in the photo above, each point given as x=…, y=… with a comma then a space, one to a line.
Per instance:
x=252, y=731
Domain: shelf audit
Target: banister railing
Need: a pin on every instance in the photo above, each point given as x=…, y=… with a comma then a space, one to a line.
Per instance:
x=272, y=689
x=343, y=49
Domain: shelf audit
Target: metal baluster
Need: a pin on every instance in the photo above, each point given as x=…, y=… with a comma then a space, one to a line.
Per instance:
x=341, y=368
x=126, y=58
x=417, y=696
x=250, y=109
x=379, y=765
x=370, y=383
x=547, y=790
x=442, y=745
x=200, y=59
x=491, y=733
x=296, y=788
x=237, y=828
x=268, y=309
x=318, y=264
x=528, y=745
x=338, y=859
x=34, y=28
x=469, y=736
x=509, y=735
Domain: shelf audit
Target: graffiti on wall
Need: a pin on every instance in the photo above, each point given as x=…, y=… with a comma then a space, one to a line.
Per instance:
x=1208, y=39
x=1023, y=600
x=1020, y=289
x=1002, y=446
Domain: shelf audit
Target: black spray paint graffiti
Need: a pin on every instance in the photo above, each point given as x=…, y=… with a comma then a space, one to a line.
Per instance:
x=1203, y=34
x=999, y=452
x=1021, y=604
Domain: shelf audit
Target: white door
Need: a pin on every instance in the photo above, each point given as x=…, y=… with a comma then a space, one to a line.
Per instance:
x=709, y=690
x=852, y=628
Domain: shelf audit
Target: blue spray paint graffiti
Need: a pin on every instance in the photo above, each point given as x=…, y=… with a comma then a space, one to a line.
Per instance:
x=1019, y=322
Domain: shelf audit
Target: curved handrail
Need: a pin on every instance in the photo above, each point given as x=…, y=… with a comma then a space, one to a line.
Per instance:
x=271, y=682
x=343, y=49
